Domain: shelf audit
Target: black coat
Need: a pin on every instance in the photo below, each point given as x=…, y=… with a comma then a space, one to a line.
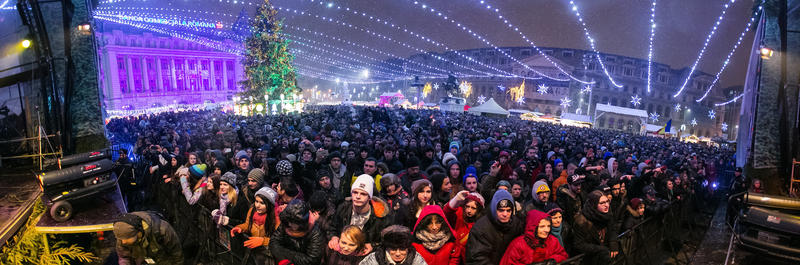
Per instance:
x=486, y=243
x=307, y=250
x=587, y=240
x=379, y=218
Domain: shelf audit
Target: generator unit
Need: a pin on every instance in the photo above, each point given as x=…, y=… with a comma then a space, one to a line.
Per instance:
x=80, y=176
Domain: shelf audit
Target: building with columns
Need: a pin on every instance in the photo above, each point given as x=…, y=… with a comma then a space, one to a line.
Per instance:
x=141, y=70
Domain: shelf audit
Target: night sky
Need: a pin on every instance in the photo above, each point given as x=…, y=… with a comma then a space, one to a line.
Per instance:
x=619, y=26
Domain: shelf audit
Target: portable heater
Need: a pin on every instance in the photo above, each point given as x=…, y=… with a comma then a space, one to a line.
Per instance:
x=80, y=176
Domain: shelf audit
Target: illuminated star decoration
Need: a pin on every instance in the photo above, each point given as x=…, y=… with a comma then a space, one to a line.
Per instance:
x=724, y=127
x=587, y=89
x=566, y=102
x=436, y=86
x=654, y=117
x=712, y=114
x=677, y=107
x=694, y=122
x=465, y=88
x=636, y=100
x=501, y=88
x=521, y=100
x=481, y=99
x=542, y=89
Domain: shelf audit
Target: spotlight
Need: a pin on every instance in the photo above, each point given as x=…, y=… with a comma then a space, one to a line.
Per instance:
x=766, y=52
x=84, y=27
x=26, y=43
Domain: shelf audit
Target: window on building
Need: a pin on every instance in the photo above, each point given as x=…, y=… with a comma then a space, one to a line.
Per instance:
x=205, y=74
x=218, y=75
x=526, y=52
x=122, y=73
x=136, y=70
x=548, y=52
x=180, y=73
x=628, y=71
x=611, y=59
x=567, y=54
x=152, y=74
x=166, y=75
x=231, y=77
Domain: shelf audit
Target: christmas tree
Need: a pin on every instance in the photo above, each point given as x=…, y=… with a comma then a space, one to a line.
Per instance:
x=267, y=61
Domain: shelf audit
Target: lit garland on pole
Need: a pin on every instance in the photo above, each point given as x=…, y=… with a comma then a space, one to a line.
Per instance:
x=703, y=50
x=592, y=43
x=729, y=101
x=733, y=50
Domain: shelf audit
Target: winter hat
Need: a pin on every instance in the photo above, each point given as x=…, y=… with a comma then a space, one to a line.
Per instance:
x=241, y=154
x=123, y=229
x=323, y=173
x=576, y=179
x=635, y=202
x=504, y=153
x=417, y=183
x=539, y=186
x=504, y=183
x=470, y=171
x=549, y=154
x=365, y=183
x=604, y=188
x=295, y=213
x=553, y=211
x=456, y=145
x=268, y=193
x=344, y=144
x=412, y=162
x=389, y=179
x=284, y=168
x=291, y=157
x=447, y=157
x=256, y=174
x=474, y=196
x=649, y=190
x=335, y=154
x=229, y=177
x=396, y=237
x=497, y=200
x=220, y=165
x=556, y=162
x=433, y=168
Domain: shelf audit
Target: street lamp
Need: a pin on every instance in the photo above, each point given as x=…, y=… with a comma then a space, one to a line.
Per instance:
x=26, y=43
x=765, y=52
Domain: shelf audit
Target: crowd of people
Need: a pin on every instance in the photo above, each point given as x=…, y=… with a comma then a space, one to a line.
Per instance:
x=360, y=185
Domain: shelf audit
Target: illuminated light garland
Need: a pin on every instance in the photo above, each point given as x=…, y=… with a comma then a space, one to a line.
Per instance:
x=465, y=88
x=517, y=92
x=361, y=46
x=703, y=50
x=654, y=117
x=729, y=101
x=565, y=102
x=543, y=89
x=636, y=100
x=481, y=38
x=650, y=45
x=533, y=45
x=426, y=90
x=381, y=36
x=323, y=51
x=591, y=43
x=342, y=65
x=733, y=50
x=188, y=37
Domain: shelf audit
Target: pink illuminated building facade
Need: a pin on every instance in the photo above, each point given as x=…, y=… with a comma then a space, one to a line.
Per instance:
x=142, y=70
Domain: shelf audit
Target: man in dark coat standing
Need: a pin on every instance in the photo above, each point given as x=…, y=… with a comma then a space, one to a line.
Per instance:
x=492, y=233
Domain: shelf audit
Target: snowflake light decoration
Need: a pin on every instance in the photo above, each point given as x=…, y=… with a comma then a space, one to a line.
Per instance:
x=543, y=89
x=587, y=89
x=694, y=122
x=465, y=88
x=501, y=88
x=712, y=114
x=677, y=107
x=566, y=102
x=636, y=100
x=481, y=99
x=521, y=100
x=654, y=117
x=436, y=86
x=724, y=127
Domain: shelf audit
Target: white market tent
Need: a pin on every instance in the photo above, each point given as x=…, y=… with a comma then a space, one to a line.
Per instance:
x=489, y=107
x=601, y=109
x=572, y=119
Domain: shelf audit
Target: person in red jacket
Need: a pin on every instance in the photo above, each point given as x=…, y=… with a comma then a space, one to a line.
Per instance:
x=434, y=238
x=463, y=210
x=536, y=244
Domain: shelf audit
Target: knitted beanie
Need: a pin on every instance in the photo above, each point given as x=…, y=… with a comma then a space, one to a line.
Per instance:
x=365, y=183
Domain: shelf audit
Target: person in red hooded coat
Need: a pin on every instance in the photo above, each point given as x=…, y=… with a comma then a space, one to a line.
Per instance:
x=434, y=238
x=536, y=244
x=462, y=211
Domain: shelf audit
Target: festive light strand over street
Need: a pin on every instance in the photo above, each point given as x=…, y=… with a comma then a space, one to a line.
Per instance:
x=533, y=45
x=650, y=45
x=705, y=45
x=729, y=101
x=733, y=50
x=592, y=43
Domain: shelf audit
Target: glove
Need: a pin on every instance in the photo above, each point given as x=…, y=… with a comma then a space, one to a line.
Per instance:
x=215, y=215
x=458, y=200
x=254, y=242
x=223, y=220
x=235, y=231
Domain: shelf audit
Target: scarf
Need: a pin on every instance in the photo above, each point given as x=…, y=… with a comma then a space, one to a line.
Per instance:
x=259, y=218
x=556, y=232
x=432, y=241
x=589, y=210
x=223, y=206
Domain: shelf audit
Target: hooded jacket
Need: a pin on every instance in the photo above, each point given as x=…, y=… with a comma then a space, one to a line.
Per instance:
x=462, y=226
x=595, y=233
x=379, y=218
x=519, y=252
x=488, y=235
x=163, y=244
x=305, y=250
x=535, y=203
x=449, y=253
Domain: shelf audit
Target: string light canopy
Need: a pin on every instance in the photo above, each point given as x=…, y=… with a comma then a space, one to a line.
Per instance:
x=592, y=43
x=650, y=44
